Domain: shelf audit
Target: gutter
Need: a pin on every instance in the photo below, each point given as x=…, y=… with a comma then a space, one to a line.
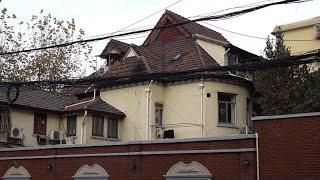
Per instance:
x=148, y=91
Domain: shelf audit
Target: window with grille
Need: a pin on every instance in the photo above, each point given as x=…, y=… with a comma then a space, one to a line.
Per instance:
x=226, y=108
x=4, y=119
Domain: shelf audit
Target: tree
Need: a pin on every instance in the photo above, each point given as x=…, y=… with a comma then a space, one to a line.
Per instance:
x=285, y=90
x=42, y=30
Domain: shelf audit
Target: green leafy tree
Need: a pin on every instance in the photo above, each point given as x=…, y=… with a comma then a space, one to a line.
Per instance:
x=285, y=90
x=42, y=30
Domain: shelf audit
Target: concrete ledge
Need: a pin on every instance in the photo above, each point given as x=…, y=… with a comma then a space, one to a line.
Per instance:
x=143, y=153
x=285, y=116
x=122, y=143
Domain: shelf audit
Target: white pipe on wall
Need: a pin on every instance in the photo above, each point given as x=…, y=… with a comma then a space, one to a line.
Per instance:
x=82, y=127
x=148, y=91
x=201, y=86
x=257, y=153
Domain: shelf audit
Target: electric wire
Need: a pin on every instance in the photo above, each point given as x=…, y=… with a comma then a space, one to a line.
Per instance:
x=216, y=17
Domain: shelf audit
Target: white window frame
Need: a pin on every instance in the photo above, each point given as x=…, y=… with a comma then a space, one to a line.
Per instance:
x=232, y=102
x=159, y=107
x=317, y=31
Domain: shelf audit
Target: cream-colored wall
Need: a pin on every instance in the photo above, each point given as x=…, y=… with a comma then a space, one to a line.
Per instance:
x=131, y=53
x=305, y=33
x=181, y=109
x=63, y=126
x=25, y=119
x=217, y=52
x=131, y=101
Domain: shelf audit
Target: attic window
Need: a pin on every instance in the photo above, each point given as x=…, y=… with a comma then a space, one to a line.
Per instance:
x=177, y=57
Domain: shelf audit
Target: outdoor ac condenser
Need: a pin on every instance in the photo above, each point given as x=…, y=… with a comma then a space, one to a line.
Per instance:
x=16, y=133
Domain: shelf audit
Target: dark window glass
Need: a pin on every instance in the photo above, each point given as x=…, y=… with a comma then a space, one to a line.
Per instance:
x=226, y=108
x=40, y=124
x=71, y=125
x=158, y=114
x=97, y=125
x=112, y=128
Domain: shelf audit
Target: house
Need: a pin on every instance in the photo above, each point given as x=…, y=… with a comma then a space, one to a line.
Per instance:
x=301, y=36
x=40, y=117
x=161, y=89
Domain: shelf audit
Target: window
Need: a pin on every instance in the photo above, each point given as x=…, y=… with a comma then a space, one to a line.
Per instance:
x=40, y=124
x=317, y=27
x=112, y=128
x=158, y=114
x=226, y=108
x=97, y=126
x=71, y=125
x=4, y=119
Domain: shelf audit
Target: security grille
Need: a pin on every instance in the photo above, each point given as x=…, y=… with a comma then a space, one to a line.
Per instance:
x=4, y=119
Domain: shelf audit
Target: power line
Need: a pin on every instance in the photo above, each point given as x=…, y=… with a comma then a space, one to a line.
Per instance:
x=216, y=17
x=255, y=37
x=305, y=58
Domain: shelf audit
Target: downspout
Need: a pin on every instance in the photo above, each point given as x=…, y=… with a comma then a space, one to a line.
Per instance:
x=201, y=86
x=94, y=97
x=148, y=91
x=82, y=127
x=257, y=153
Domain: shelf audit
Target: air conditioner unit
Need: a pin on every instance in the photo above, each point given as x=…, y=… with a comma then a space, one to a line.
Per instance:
x=67, y=140
x=159, y=132
x=56, y=135
x=244, y=129
x=16, y=133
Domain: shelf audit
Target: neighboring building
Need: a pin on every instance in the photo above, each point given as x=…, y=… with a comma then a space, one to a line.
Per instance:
x=39, y=117
x=161, y=89
x=301, y=36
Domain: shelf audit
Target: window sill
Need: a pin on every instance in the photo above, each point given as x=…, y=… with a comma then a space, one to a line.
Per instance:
x=227, y=125
x=39, y=135
x=105, y=138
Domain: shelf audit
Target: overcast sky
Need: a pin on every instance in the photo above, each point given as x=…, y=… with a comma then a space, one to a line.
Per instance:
x=98, y=17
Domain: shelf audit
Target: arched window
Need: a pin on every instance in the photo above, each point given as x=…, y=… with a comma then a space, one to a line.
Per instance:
x=19, y=173
x=95, y=172
x=182, y=171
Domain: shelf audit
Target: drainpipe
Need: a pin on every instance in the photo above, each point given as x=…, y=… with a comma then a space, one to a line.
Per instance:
x=82, y=127
x=94, y=97
x=201, y=86
x=257, y=153
x=148, y=91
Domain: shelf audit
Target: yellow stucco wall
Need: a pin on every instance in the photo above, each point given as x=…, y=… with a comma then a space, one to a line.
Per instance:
x=217, y=52
x=304, y=33
x=25, y=118
x=181, y=108
x=132, y=101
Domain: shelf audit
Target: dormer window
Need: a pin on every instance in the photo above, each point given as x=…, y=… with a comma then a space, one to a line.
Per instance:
x=177, y=57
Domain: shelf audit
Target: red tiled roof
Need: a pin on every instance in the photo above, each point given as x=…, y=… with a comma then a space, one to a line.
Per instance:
x=115, y=45
x=190, y=29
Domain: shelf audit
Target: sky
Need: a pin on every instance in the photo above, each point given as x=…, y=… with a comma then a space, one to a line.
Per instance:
x=98, y=17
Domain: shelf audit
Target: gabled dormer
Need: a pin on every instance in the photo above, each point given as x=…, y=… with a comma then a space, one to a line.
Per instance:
x=114, y=51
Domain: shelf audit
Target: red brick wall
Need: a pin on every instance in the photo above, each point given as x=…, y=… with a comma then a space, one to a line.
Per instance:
x=289, y=148
x=221, y=165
